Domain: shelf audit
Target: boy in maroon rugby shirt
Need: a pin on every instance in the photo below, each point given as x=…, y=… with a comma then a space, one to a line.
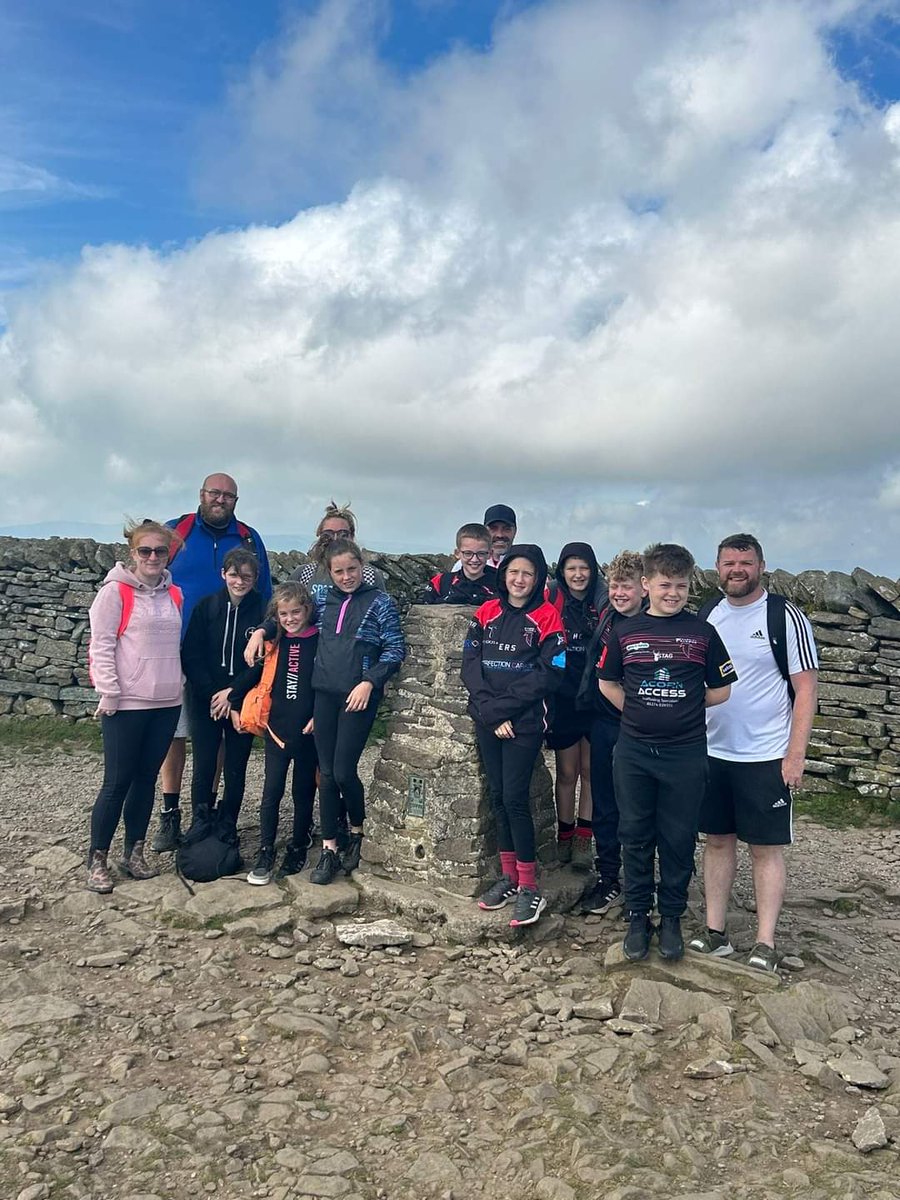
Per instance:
x=662, y=669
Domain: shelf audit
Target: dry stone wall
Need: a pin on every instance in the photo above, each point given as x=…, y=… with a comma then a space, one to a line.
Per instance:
x=46, y=587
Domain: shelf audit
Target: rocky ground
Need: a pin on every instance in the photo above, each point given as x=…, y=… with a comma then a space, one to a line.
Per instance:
x=242, y=1043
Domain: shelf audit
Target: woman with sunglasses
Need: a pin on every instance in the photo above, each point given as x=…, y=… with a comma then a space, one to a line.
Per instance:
x=135, y=665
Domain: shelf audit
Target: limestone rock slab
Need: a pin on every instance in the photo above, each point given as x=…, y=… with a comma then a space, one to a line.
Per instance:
x=317, y=902
x=373, y=934
x=38, y=1010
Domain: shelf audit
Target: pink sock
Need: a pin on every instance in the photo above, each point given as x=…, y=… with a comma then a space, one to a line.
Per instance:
x=526, y=874
x=508, y=865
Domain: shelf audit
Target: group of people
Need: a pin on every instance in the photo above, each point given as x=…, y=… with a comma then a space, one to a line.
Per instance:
x=664, y=724
x=190, y=624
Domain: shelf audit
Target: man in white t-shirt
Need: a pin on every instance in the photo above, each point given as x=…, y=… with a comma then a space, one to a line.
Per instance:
x=757, y=749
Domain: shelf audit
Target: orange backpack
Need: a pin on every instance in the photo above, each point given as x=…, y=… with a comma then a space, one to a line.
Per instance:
x=257, y=703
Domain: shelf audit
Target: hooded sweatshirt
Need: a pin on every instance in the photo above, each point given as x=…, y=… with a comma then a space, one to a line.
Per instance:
x=579, y=617
x=212, y=653
x=142, y=667
x=514, y=658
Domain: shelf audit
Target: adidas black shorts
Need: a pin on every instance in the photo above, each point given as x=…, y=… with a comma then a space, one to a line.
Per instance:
x=749, y=799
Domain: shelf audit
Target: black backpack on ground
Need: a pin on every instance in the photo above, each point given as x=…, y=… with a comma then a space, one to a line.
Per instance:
x=209, y=849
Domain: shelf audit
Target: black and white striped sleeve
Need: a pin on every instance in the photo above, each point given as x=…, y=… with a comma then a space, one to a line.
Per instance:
x=801, y=643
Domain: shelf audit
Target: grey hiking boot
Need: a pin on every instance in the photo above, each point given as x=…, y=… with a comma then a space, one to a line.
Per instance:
x=168, y=836
x=582, y=852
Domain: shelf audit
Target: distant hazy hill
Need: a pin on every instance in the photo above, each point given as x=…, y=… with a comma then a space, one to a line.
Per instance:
x=113, y=533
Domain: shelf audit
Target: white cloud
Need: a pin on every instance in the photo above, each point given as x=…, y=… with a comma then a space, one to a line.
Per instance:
x=635, y=268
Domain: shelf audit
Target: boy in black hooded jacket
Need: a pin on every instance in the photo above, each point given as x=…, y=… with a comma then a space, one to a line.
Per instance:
x=212, y=656
x=514, y=657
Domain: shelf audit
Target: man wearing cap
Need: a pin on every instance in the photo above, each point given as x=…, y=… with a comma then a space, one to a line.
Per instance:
x=501, y=522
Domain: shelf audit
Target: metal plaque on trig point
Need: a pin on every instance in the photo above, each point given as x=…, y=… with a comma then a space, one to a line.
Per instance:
x=415, y=801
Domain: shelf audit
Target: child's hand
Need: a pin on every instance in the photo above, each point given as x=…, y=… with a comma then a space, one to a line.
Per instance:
x=505, y=730
x=308, y=727
x=255, y=647
x=236, y=721
x=359, y=697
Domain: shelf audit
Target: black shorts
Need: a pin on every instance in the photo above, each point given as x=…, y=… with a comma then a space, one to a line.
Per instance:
x=749, y=799
x=568, y=724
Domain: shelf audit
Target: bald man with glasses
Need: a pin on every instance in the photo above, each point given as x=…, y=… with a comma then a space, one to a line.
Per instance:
x=207, y=535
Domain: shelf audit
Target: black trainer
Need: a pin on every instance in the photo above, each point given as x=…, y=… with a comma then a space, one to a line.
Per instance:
x=168, y=836
x=671, y=943
x=528, y=907
x=498, y=894
x=601, y=898
x=293, y=862
x=262, y=870
x=350, y=856
x=637, y=940
x=326, y=868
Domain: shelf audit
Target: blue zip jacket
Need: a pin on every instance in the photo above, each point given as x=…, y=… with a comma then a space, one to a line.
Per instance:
x=197, y=567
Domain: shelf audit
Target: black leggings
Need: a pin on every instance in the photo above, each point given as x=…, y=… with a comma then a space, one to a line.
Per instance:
x=206, y=738
x=134, y=745
x=508, y=765
x=340, y=740
x=302, y=753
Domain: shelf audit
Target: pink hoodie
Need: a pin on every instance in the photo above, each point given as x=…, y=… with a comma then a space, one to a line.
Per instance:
x=142, y=668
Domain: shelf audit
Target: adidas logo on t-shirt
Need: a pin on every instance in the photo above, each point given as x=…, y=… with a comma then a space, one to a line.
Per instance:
x=759, y=636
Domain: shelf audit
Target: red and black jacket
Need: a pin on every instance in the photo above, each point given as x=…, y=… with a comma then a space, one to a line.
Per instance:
x=452, y=587
x=514, y=658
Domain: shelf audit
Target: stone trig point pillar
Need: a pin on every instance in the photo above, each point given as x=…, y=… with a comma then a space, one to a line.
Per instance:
x=428, y=813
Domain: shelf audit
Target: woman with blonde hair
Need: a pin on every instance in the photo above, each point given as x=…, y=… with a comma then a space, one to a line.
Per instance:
x=135, y=666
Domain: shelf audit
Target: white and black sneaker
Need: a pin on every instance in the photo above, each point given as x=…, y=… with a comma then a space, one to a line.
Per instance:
x=601, y=898
x=499, y=894
x=265, y=863
x=529, y=906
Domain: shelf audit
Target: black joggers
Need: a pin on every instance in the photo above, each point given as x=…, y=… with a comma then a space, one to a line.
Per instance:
x=206, y=738
x=135, y=743
x=605, y=813
x=508, y=765
x=659, y=790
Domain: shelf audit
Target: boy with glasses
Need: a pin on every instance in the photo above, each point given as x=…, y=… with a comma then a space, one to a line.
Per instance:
x=472, y=581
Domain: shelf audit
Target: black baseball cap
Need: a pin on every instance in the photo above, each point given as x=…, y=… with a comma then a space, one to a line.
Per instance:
x=500, y=512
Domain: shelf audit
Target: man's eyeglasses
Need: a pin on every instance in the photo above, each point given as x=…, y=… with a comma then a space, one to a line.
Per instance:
x=217, y=494
x=329, y=535
x=469, y=555
x=152, y=551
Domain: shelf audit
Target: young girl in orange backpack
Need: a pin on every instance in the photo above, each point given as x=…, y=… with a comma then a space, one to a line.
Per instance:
x=287, y=671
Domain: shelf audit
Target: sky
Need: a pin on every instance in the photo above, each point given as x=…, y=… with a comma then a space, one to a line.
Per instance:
x=630, y=266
